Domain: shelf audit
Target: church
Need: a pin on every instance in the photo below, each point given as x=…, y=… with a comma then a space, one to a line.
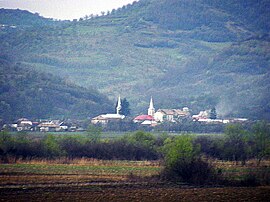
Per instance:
x=152, y=118
x=149, y=118
x=106, y=118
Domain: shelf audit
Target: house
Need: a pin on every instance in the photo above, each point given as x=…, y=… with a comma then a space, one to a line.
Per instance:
x=107, y=118
x=202, y=115
x=48, y=127
x=24, y=124
x=171, y=115
x=142, y=118
x=63, y=126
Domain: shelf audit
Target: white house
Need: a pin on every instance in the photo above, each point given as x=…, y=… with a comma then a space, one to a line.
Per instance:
x=24, y=124
x=171, y=115
x=49, y=127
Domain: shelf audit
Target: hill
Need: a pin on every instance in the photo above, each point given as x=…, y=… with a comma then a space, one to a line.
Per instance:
x=25, y=92
x=23, y=18
x=184, y=53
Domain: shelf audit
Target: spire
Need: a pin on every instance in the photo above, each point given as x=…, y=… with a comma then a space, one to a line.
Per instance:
x=151, y=105
x=151, y=109
x=118, y=108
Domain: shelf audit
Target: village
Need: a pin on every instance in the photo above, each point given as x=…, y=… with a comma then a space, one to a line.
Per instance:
x=150, y=119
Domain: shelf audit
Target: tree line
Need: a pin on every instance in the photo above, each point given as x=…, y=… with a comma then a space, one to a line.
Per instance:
x=183, y=156
x=237, y=144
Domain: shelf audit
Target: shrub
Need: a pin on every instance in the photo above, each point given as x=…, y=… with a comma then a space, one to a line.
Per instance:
x=195, y=171
x=183, y=163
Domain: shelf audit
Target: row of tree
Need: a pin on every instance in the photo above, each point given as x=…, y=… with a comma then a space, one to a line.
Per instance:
x=238, y=144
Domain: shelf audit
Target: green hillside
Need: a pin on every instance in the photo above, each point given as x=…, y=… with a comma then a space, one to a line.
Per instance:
x=22, y=18
x=191, y=53
x=28, y=93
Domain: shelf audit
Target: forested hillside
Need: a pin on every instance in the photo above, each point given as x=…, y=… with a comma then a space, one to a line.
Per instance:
x=195, y=53
x=28, y=93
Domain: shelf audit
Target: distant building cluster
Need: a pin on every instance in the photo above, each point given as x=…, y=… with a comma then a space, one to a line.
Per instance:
x=154, y=118
x=24, y=124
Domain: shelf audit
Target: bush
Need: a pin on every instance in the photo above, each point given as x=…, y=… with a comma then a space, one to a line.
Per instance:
x=196, y=171
x=259, y=176
x=183, y=163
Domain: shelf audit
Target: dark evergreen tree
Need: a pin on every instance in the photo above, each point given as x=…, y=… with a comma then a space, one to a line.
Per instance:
x=213, y=113
x=125, y=110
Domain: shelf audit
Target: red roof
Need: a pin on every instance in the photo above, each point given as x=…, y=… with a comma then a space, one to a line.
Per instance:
x=144, y=117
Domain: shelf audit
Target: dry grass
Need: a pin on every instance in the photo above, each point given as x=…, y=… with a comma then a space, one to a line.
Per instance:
x=86, y=161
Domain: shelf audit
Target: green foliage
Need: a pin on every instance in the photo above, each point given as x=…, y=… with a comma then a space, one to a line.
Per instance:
x=179, y=149
x=94, y=133
x=236, y=147
x=183, y=163
x=142, y=138
x=6, y=142
x=25, y=92
x=23, y=18
x=213, y=113
x=125, y=110
x=261, y=138
x=51, y=147
x=195, y=49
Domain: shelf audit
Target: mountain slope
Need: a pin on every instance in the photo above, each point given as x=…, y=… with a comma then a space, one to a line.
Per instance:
x=27, y=93
x=184, y=53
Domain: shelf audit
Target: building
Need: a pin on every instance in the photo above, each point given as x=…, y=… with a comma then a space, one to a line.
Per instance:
x=171, y=115
x=142, y=118
x=49, y=127
x=202, y=115
x=151, y=109
x=24, y=124
x=107, y=118
x=149, y=118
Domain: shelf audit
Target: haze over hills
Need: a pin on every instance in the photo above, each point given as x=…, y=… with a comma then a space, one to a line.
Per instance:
x=191, y=53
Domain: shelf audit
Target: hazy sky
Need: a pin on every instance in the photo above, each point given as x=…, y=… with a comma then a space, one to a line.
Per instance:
x=64, y=9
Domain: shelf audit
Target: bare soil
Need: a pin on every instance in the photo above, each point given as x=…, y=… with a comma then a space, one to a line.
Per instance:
x=110, y=181
x=130, y=192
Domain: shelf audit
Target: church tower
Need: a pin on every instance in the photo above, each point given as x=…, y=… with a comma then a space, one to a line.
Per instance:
x=118, y=108
x=151, y=109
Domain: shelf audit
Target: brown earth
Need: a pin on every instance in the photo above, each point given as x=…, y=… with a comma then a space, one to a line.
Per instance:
x=135, y=193
x=101, y=182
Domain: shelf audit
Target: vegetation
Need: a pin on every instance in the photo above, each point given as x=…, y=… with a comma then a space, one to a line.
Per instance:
x=125, y=109
x=200, y=54
x=26, y=92
x=185, y=156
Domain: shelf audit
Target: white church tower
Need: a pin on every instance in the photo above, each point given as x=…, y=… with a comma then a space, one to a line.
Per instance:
x=151, y=109
x=118, y=108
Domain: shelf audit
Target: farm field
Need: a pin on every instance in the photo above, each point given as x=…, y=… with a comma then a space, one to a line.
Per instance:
x=77, y=172
x=101, y=180
x=130, y=193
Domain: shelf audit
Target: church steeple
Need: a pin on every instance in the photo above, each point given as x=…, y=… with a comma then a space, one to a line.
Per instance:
x=118, y=108
x=151, y=109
